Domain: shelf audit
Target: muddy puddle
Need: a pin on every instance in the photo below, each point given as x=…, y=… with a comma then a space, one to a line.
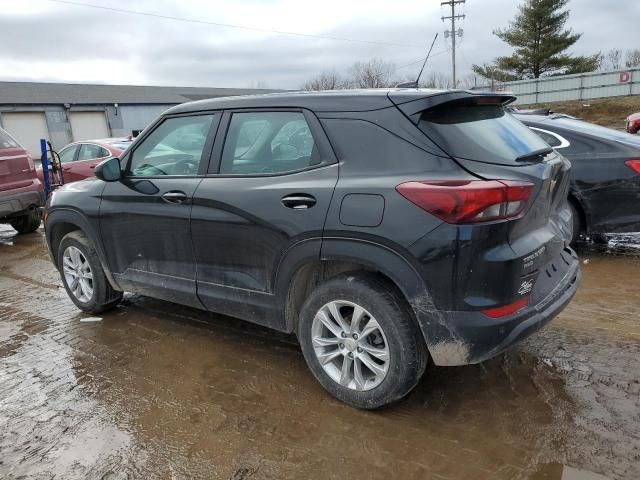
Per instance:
x=154, y=390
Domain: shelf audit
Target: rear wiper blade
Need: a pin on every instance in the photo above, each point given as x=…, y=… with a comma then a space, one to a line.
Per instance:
x=536, y=154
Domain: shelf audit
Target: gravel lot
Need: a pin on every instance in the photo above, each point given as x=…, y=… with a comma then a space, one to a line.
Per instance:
x=155, y=390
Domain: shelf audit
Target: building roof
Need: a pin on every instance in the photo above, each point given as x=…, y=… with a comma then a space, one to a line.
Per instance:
x=32, y=93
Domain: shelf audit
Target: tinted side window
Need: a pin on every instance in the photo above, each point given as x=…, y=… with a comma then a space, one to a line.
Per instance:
x=67, y=154
x=173, y=148
x=268, y=142
x=89, y=152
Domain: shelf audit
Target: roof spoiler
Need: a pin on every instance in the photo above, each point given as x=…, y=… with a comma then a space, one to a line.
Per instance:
x=413, y=108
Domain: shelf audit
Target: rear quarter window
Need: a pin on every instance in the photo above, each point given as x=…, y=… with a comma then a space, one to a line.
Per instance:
x=7, y=141
x=484, y=133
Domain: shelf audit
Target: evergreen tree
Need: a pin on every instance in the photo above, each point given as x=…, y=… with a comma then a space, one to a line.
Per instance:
x=540, y=42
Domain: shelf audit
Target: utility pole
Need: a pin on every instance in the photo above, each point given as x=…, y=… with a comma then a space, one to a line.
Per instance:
x=453, y=32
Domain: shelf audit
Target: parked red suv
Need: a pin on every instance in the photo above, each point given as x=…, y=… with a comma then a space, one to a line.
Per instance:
x=21, y=192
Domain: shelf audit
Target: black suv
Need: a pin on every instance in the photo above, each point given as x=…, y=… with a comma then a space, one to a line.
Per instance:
x=385, y=228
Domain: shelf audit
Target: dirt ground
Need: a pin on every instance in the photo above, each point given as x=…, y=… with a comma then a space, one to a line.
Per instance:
x=154, y=390
x=608, y=112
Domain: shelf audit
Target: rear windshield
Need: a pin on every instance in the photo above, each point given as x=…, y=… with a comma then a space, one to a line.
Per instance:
x=479, y=132
x=7, y=141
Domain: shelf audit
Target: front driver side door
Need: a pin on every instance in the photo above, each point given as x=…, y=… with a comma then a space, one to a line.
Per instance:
x=144, y=217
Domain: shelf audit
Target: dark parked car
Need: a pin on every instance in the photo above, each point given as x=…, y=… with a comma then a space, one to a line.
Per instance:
x=21, y=193
x=605, y=174
x=385, y=228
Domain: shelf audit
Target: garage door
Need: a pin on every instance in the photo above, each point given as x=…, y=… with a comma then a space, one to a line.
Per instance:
x=28, y=129
x=88, y=125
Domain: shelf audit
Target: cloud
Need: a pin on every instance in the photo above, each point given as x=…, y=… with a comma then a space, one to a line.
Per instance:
x=51, y=41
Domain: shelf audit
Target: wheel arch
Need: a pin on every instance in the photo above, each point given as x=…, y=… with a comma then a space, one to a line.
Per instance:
x=576, y=201
x=61, y=222
x=296, y=279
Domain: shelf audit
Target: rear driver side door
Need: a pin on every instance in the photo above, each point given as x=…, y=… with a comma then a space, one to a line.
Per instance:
x=260, y=211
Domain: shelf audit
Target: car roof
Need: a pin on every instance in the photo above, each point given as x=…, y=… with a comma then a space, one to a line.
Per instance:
x=327, y=101
x=107, y=141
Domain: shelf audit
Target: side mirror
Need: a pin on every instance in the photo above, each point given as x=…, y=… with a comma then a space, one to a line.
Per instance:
x=109, y=170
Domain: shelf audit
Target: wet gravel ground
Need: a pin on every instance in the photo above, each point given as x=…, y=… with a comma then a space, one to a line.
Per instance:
x=154, y=390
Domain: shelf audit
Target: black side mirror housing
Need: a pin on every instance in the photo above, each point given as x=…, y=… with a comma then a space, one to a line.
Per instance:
x=109, y=170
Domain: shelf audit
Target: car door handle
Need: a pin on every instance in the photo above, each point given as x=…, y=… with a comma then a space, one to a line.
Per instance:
x=174, y=197
x=298, y=201
x=92, y=166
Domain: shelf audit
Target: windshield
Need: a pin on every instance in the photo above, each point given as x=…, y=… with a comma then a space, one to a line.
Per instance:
x=479, y=132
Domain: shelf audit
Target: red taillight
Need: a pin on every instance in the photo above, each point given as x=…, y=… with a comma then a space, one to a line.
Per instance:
x=469, y=201
x=633, y=165
x=505, y=310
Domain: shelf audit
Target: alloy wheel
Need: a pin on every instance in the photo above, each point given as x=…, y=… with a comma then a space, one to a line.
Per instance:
x=77, y=274
x=350, y=345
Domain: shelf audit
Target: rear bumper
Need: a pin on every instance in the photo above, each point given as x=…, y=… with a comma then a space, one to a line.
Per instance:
x=12, y=202
x=466, y=337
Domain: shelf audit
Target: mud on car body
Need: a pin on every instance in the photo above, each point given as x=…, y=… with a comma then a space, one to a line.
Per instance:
x=384, y=228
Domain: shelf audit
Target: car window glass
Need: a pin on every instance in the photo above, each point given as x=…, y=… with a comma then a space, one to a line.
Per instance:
x=472, y=131
x=174, y=148
x=7, y=141
x=268, y=142
x=547, y=137
x=89, y=151
x=67, y=154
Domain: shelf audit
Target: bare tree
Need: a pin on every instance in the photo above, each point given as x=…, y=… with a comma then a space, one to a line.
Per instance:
x=632, y=58
x=470, y=81
x=260, y=84
x=328, y=80
x=436, y=80
x=612, y=60
x=375, y=73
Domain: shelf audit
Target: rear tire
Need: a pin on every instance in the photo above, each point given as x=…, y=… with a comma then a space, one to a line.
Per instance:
x=28, y=223
x=370, y=363
x=83, y=276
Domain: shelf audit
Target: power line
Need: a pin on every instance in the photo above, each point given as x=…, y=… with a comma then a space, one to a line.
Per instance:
x=229, y=25
x=416, y=62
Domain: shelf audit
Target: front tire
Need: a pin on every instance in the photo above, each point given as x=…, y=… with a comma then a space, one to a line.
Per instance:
x=27, y=223
x=83, y=276
x=360, y=341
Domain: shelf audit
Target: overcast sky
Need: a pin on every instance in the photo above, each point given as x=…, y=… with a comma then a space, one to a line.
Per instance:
x=45, y=40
